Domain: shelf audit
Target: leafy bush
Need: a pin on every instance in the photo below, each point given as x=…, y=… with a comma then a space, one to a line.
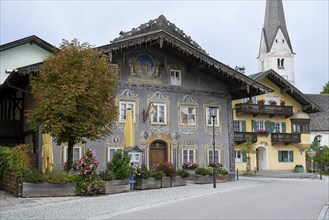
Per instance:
x=204, y=171
x=58, y=176
x=90, y=187
x=88, y=165
x=106, y=175
x=121, y=168
x=158, y=174
x=167, y=168
x=142, y=172
x=183, y=173
x=221, y=170
x=32, y=176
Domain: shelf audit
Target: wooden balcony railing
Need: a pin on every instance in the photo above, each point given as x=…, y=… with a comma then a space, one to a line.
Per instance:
x=286, y=138
x=271, y=110
x=240, y=137
x=10, y=132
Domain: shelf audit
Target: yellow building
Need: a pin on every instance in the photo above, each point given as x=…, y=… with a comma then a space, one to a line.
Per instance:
x=277, y=123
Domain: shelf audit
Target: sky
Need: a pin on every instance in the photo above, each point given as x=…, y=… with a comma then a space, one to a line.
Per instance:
x=229, y=31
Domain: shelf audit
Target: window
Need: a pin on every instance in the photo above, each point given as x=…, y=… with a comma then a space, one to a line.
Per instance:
x=253, y=100
x=175, y=77
x=262, y=65
x=286, y=156
x=272, y=98
x=238, y=126
x=300, y=126
x=260, y=125
x=135, y=158
x=123, y=109
x=159, y=114
x=277, y=127
x=238, y=156
x=188, y=155
x=210, y=160
x=209, y=118
x=77, y=154
x=280, y=63
x=188, y=115
x=110, y=153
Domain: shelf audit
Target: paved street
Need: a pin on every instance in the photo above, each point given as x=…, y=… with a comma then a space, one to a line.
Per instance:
x=248, y=198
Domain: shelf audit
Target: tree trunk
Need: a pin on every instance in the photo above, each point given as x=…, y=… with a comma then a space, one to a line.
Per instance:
x=69, y=161
x=248, y=165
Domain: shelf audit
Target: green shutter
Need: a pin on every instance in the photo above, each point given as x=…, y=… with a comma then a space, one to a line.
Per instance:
x=272, y=127
x=243, y=126
x=244, y=156
x=283, y=126
x=280, y=156
x=253, y=125
x=267, y=125
x=291, y=156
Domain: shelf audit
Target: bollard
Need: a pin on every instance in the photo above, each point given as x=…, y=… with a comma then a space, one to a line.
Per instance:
x=237, y=174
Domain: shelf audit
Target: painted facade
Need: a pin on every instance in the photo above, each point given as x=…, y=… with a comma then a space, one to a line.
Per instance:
x=280, y=132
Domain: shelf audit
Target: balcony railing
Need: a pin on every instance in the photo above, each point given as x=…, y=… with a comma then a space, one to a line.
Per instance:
x=271, y=110
x=286, y=138
x=240, y=137
x=10, y=131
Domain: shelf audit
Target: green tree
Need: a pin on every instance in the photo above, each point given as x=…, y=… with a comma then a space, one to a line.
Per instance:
x=324, y=155
x=74, y=95
x=325, y=89
x=249, y=148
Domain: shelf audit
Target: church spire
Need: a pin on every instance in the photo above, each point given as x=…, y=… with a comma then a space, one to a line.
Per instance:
x=274, y=20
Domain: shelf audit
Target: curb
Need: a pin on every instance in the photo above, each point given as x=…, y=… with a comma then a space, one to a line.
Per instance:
x=324, y=213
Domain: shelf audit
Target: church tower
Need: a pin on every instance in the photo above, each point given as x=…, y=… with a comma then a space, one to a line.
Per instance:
x=275, y=51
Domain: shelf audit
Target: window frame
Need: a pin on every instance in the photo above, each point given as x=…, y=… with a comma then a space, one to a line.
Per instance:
x=158, y=115
x=239, y=122
x=304, y=126
x=173, y=79
x=65, y=153
x=120, y=109
x=217, y=151
x=188, y=155
x=238, y=159
x=109, y=153
x=217, y=124
x=290, y=156
x=181, y=115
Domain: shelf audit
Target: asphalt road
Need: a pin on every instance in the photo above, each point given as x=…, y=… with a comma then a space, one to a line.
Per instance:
x=272, y=199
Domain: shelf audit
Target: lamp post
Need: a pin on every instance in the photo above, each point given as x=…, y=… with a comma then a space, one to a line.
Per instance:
x=213, y=112
x=319, y=138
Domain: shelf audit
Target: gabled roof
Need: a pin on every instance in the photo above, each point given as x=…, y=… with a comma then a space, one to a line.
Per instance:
x=308, y=105
x=320, y=121
x=163, y=34
x=32, y=40
x=274, y=20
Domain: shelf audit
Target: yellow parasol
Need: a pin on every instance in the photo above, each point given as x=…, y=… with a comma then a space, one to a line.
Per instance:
x=47, y=153
x=129, y=133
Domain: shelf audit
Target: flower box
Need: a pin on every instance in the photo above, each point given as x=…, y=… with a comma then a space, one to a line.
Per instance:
x=117, y=186
x=166, y=182
x=150, y=183
x=178, y=181
x=47, y=189
x=221, y=178
x=199, y=179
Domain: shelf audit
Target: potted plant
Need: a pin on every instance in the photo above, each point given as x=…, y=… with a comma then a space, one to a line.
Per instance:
x=180, y=178
x=144, y=180
x=261, y=101
x=221, y=174
x=282, y=102
x=203, y=175
x=272, y=102
x=117, y=179
x=169, y=171
x=262, y=132
x=189, y=165
x=299, y=169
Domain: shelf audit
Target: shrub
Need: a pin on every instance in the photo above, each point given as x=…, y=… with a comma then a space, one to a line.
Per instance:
x=32, y=176
x=201, y=171
x=183, y=173
x=158, y=174
x=167, y=168
x=221, y=170
x=106, y=175
x=90, y=187
x=58, y=176
x=142, y=172
x=88, y=164
x=121, y=168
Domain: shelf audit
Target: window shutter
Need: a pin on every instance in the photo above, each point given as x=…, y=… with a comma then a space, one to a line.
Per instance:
x=253, y=125
x=291, y=156
x=283, y=127
x=280, y=156
x=244, y=156
x=243, y=126
x=272, y=127
x=268, y=125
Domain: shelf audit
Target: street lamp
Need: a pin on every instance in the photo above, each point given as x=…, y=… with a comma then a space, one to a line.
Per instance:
x=213, y=113
x=319, y=138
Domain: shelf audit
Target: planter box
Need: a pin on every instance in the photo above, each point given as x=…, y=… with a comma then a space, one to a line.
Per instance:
x=117, y=186
x=221, y=178
x=166, y=182
x=299, y=169
x=199, y=179
x=47, y=189
x=150, y=183
x=178, y=181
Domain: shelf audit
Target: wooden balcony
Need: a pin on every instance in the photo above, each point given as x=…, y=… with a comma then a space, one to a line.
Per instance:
x=286, y=138
x=10, y=132
x=241, y=137
x=271, y=110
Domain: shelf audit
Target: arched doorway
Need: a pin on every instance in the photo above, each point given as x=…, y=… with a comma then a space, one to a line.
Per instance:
x=158, y=153
x=261, y=158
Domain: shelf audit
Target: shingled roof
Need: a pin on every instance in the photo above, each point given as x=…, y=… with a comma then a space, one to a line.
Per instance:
x=163, y=34
x=320, y=121
x=309, y=106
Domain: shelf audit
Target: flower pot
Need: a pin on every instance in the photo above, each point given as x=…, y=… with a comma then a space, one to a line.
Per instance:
x=150, y=183
x=117, y=186
x=47, y=189
x=178, y=181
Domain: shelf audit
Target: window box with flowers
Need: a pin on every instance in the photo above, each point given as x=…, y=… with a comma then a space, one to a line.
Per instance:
x=282, y=102
x=190, y=165
x=261, y=132
x=272, y=102
x=261, y=101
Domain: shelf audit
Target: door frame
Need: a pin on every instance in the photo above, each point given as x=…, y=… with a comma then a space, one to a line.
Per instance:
x=165, y=150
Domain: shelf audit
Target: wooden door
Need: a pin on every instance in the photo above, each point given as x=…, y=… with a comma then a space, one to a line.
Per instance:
x=158, y=154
